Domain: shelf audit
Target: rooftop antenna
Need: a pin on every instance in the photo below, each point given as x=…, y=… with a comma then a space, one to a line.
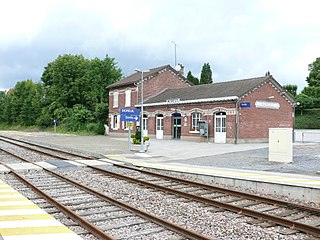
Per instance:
x=175, y=53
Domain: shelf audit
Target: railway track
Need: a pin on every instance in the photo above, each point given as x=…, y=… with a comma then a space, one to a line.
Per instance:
x=43, y=150
x=101, y=215
x=266, y=212
x=263, y=211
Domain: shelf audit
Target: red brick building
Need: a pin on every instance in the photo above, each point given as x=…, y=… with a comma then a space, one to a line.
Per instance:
x=232, y=111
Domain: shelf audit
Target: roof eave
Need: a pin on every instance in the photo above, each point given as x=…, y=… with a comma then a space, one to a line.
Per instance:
x=203, y=100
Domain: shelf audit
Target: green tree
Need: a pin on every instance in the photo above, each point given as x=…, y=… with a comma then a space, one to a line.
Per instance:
x=206, y=74
x=2, y=105
x=72, y=80
x=304, y=102
x=192, y=79
x=314, y=93
x=23, y=105
x=292, y=89
x=314, y=76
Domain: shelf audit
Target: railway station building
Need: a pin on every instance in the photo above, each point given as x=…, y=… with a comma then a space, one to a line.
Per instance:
x=235, y=111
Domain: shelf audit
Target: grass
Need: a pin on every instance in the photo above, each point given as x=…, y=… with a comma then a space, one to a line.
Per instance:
x=310, y=119
x=60, y=129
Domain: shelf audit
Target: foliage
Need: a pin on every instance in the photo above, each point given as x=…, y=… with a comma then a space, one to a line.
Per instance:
x=309, y=120
x=192, y=79
x=314, y=76
x=22, y=106
x=314, y=93
x=292, y=89
x=136, y=137
x=206, y=74
x=304, y=102
x=72, y=90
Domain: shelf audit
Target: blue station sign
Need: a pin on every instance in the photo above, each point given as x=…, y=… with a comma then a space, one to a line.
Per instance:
x=245, y=105
x=130, y=115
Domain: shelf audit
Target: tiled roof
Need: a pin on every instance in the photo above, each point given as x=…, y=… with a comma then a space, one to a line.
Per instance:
x=136, y=77
x=236, y=88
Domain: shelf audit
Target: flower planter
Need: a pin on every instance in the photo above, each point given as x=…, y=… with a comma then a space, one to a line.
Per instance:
x=137, y=147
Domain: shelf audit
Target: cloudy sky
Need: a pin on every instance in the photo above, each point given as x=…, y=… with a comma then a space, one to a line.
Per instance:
x=239, y=38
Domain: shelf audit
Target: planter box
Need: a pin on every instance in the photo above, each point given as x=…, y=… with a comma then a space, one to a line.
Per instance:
x=137, y=147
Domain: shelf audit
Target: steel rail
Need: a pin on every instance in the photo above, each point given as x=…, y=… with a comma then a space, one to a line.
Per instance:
x=237, y=209
x=15, y=155
x=81, y=221
x=176, y=228
x=315, y=211
x=48, y=148
x=35, y=150
x=150, y=217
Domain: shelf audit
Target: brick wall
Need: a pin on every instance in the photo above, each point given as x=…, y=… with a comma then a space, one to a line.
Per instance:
x=164, y=80
x=255, y=122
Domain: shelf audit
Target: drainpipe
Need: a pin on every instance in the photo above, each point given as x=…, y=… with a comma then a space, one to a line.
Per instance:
x=237, y=121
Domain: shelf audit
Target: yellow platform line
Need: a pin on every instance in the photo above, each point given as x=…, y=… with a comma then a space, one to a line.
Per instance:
x=13, y=199
x=17, y=207
x=26, y=217
x=10, y=193
x=255, y=176
x=34, y=230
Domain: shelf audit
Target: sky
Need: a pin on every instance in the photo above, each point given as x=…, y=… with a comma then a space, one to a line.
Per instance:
x=238, y=38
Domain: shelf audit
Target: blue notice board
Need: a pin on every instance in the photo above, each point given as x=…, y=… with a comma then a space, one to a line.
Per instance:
x=129, y=111
x=245, y=105
x=129, y=114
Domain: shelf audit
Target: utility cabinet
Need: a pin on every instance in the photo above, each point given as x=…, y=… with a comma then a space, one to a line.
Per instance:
x=203, y=128
x=280, y=145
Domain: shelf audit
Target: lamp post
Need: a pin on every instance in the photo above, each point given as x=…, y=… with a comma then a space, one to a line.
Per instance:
x=142, y=71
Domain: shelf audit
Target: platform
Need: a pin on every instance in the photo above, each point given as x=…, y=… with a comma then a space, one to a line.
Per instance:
x=20, y=219
x=302, y=187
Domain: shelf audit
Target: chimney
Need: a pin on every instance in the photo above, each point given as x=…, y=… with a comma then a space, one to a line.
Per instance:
x=180, y=68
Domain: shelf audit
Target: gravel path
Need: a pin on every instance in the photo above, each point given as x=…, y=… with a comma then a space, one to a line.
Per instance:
x=306, y=160
x=306, y=157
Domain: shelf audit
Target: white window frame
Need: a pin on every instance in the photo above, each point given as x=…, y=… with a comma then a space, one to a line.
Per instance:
x=145, y=122
x=195, y=118
x=115, y=99
x=128, y=98
x=115, y=122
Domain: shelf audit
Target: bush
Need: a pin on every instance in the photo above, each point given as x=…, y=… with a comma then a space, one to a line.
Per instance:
x=96, y=128
x=138, y=135
x=309, y=120
x=136, y=138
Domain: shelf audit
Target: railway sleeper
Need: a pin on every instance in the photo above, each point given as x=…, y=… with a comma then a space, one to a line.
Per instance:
x=137, y=234
x=123, y=225
x=100, y=212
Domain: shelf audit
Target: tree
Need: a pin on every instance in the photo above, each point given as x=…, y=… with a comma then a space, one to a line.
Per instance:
x=75, y=85
x=192, y=79
x=206, y=74
x=314, y=76
x=304, y=102
x=292, y=89
x=314, y=93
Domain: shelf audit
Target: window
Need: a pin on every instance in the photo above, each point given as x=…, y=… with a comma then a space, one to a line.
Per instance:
x=145, y=122
x=128, y=98
x=116, y=122
x=115, y=99
x=195, y=121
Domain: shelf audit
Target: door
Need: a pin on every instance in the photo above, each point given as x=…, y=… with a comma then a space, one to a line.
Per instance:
x=145, y=125
x=176, y=126
x=159, y=126
x=220, y=128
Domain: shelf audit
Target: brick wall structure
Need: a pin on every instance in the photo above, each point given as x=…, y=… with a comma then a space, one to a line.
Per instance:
x=267, y=105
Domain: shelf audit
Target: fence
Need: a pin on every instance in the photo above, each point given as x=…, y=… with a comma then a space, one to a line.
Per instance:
x=303, y=135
